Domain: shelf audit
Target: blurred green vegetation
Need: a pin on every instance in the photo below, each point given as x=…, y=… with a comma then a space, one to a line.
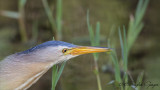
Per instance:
x=78, y=72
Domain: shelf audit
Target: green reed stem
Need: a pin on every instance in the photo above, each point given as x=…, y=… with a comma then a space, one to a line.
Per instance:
x=59, y=19
x=22, y=21
x=49, y=15
x=95, y=41
x=127, y=41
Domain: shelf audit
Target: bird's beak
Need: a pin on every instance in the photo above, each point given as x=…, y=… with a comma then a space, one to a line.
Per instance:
x=79, y=50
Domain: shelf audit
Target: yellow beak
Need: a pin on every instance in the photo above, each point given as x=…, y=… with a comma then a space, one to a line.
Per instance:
x=86, y=49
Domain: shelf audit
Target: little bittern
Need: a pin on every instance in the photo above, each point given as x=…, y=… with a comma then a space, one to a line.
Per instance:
x=20, y=70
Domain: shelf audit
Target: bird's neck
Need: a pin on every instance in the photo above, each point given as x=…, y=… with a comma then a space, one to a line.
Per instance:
x=36, y=71
x=21, y=74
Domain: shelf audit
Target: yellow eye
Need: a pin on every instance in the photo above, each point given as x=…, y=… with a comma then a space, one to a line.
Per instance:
x=64, y=50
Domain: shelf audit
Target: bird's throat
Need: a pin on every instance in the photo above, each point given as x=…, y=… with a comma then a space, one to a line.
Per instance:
x=43, y=68
x=24, y=76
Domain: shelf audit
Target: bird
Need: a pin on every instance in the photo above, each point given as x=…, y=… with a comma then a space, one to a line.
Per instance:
x=21, y=70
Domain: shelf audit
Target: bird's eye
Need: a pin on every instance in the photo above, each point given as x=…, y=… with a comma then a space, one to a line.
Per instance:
x=64, y=50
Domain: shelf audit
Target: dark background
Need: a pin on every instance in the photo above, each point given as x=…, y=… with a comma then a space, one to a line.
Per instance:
x=78, y=73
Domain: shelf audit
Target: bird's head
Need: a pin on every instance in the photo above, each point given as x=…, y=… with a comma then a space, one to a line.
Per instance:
x=58, y=51
x=31, y=64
